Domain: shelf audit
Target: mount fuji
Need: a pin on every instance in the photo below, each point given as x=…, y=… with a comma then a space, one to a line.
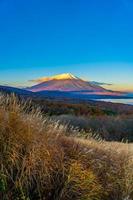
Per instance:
x=69, y=83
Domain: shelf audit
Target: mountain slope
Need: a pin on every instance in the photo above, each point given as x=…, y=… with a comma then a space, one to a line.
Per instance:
x=18, y=91
x=65, y=82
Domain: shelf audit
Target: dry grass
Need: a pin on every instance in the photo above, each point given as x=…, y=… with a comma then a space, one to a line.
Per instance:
x=39, y=160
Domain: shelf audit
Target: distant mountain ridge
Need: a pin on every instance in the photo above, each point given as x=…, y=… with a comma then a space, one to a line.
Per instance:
x=75, y=96
x=9, y=89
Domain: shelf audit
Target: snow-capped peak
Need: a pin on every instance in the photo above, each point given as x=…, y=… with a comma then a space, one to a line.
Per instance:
x=64, y=76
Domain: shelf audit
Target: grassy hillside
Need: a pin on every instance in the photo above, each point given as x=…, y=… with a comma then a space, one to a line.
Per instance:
x=42, y=160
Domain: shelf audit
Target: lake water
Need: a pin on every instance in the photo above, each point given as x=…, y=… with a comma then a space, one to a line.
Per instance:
x=125, y=101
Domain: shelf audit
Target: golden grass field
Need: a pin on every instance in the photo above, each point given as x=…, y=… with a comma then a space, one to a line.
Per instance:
x=41, y=160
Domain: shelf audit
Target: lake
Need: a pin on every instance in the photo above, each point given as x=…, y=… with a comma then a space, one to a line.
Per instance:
x=124, y=101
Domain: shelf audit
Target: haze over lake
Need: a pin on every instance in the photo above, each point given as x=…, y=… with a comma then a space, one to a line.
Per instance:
x=125, y=101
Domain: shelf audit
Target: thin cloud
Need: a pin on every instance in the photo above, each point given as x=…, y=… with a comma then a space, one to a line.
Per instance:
x=101, y=83
x=36, y=80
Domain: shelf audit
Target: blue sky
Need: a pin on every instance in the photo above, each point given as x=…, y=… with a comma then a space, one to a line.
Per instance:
x=92, y=39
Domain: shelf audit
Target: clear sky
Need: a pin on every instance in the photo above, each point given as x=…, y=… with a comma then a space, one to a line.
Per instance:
x=91, y=39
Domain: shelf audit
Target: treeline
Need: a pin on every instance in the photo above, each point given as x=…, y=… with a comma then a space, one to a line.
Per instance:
x=93, y=108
